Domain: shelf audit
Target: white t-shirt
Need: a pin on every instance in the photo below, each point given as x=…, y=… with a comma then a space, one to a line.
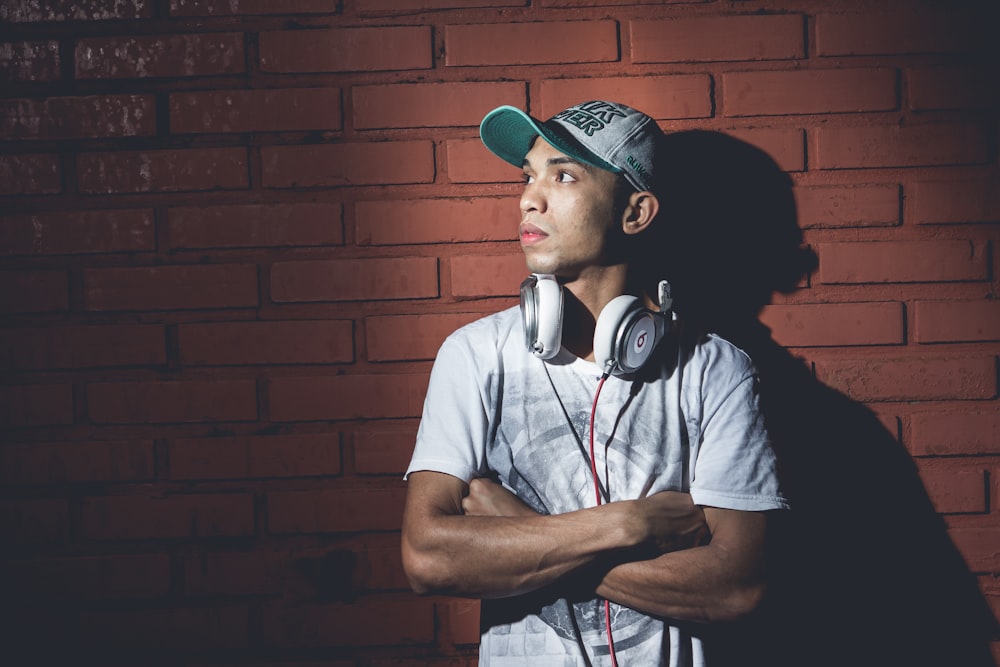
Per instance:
x=691, y=423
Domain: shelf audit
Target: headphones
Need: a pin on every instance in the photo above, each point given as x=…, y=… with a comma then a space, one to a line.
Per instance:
x=625, y=335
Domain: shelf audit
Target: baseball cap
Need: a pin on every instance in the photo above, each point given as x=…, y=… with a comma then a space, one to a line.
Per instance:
x=602, y=134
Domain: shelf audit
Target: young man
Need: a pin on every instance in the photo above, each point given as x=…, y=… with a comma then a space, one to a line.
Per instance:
x=552, y=476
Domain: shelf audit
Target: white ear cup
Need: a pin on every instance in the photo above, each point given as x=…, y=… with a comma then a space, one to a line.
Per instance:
x=542, y=312
x=606, y=332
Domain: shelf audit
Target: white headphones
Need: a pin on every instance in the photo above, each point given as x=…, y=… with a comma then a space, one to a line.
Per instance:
x=625, y=335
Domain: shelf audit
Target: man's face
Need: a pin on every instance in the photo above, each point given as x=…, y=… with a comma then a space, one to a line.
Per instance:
x=567, y=212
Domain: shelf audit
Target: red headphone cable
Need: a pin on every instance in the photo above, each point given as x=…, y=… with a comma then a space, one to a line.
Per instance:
x=597, y=495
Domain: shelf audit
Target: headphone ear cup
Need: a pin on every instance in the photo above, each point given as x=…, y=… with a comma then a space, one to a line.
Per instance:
x=625, y=336
x=542, y=314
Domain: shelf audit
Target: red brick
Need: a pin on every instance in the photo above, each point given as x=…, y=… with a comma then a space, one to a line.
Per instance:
x=945, y=202
x=335, y=510
x=459, y=620
x=406, y=6
x=980, y=546
x=966, y=87
x=249, y=7
x=956, y=321
x=716, y=38
x=36, y=405
x=902, y=261
x=74, y=10
x=177, y=401
x=74, y=462
x=954, y=486
x=411, y=337
x=383, y=452
x=848, y=206
x=911, y=379
x=29, y=61
x=330, y=165
x=233, y=573
x=355, y=279
x=77, y=232
x=371, y=622
x=808, y=92
x=786, y=147
x=249, y=343
x=534, y=43
x=874, y=33
x=82, y=346
x=96, y=116
x=822, y=324
x=937, y=434
x=487, y=275
x=347, y=49
x=247, y=457
x=33, y=291
x=162, y=630
x=469, y=161
x=30, y=175
x=256, y=225
x=204, y=54
x=430, y=104
x=92, y=577
x=163, y=171
x=346, y=397
x=171, y=287
x=282, y=110
x=911, y=146
x=138, y=517
x=388, y=222
x=382, y=567
x=671, y=96
x=43, y=520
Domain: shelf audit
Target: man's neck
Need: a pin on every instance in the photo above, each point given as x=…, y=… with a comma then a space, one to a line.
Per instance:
x=585, y=297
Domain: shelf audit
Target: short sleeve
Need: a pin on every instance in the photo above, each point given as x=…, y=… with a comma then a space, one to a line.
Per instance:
x=452, y=434
x=735, y=466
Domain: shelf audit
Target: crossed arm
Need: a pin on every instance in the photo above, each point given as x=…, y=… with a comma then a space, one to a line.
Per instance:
x=650, y=554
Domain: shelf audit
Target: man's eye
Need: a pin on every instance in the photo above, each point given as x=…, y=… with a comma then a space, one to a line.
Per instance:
x=527, y=179
x=565, y=177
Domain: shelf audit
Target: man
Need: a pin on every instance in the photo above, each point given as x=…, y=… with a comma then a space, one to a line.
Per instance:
x=587, y=555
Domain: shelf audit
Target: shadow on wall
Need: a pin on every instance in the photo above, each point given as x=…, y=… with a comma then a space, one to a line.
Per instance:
x=864, y=572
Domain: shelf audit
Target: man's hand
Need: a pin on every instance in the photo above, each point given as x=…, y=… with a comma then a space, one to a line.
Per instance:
x=673, y=521
x=487, y=498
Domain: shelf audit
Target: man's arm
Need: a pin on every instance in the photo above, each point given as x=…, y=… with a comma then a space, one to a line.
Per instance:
x=720, y=580
x=449, y=549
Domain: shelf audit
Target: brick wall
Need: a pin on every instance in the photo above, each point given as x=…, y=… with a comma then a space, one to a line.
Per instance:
x=234, y=233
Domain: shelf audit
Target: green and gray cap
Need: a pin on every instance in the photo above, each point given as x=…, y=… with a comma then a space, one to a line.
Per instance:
x=602, y=134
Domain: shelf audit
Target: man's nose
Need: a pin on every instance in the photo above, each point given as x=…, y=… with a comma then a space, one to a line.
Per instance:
x=532, y=199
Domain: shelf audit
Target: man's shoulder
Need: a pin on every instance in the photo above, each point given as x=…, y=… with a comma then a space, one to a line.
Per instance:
x=715, y=352
x=490, y=330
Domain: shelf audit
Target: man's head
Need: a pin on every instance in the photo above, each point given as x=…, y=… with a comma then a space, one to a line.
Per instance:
x=588, y=174
x=602, y=134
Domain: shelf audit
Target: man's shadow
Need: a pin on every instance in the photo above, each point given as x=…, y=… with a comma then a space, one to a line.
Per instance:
x=863, y=570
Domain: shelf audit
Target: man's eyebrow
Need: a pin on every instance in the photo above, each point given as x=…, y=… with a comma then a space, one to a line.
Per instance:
x=562, y=159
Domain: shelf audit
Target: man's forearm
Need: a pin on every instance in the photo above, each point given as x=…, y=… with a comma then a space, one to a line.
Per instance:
x=720, y=581
x=487, y=556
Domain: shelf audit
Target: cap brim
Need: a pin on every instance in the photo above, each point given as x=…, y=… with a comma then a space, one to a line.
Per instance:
x=509, y=133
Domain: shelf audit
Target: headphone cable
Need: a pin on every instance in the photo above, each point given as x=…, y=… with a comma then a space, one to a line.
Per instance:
x=597, y=495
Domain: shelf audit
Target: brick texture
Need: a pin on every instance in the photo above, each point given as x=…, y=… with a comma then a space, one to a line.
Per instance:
x=256, y=225
x=67, y=233
x=531, y=43
x=346, y=50
x=436, y=221
x=235, y=233
x=776, y=37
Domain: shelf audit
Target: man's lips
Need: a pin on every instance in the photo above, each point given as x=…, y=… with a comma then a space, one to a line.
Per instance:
x=531, y=233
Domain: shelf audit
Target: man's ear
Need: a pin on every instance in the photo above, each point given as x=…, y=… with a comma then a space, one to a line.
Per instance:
x=639, y=213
